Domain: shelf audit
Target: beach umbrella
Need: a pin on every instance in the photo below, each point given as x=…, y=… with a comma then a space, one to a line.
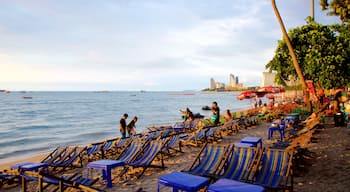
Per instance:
x=270, y=90
x=247, y=95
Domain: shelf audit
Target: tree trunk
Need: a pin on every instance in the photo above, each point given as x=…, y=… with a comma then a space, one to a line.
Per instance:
x=292, y=53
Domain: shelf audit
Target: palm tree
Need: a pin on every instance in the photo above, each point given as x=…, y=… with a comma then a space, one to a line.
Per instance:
x=292, y=53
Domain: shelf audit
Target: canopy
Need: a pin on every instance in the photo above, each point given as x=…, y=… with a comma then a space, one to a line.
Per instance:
x=247, y=95
x=261, y=92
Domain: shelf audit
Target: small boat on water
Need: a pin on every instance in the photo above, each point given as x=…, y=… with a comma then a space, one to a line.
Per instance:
x=27, y=97
x=196, y=116
x=206, y=108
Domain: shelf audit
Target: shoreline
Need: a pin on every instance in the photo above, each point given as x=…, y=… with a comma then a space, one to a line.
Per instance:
x=30, y=158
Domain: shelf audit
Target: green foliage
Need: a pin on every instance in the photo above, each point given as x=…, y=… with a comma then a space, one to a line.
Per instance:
x=339, y=8
x=323, y=52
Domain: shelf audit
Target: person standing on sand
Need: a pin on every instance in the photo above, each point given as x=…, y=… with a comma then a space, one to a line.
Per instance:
x=131, y=127
x=215, y=117
x=255, y=103
x=260, y=102
x=122, y=125
x=228, y=115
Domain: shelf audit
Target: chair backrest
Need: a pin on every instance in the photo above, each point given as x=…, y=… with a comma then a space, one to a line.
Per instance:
x=93, y=148
x=108, y=144
x=173, y=140
x=131, y=151
x=70, y=158
x=121, y=142
x=148, y=154
x=211, y=131
x=166, y=133
x=64, y=155
x=201, y=134
x=275, y=168
x=209, y=159
x=54, y=155
x=239, y=162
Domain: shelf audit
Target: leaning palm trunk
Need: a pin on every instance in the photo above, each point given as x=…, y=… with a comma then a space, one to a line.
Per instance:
x=292, y=53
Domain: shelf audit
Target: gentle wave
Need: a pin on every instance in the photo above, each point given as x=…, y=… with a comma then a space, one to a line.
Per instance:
x=50, y=119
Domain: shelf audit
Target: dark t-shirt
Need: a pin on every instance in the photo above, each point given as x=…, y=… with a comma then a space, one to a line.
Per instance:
x=123, y=125
x=216, y=115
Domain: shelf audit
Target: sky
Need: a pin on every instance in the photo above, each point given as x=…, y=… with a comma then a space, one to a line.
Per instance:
x=155, y=45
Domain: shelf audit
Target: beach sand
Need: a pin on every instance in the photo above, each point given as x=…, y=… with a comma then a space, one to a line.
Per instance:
x=329, y=171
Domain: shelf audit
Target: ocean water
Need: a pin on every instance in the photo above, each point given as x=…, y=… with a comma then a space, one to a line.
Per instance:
x=49, y=119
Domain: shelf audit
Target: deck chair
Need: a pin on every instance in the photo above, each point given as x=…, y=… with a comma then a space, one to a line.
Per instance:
x=166, y=133
x=55, y=154
x=196, y=139
x=92, y=151
x=69, y=159
x=275, y=170
x=173, y=145
x=8, y=177
x=209, y=159
x=131, y=152
x=239, y=163
x=145, y=158
x=107, y=147
x=51, y=182
x=120, y=145
x=229, y=127
x=213, y=134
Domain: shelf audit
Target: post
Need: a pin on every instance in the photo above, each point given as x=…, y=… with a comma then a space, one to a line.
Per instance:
x=312, y=7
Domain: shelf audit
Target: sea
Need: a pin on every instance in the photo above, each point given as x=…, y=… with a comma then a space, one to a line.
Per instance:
x=37, y=122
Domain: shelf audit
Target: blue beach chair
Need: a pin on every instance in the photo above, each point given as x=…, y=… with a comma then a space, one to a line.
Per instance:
x=107, y=147
x=209, y=159
x=173, y=145
x=131, y=152
x=239, y=163
x=8, y=177
x=213, y=134
x=56, y=183
x=68, y=160
x=145, y=158
x=275, y=171
x=197, y=138
x=92, y=151
x=55, y=154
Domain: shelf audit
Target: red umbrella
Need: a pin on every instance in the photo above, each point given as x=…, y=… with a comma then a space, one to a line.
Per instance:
x=247, y=95
x=270, y=89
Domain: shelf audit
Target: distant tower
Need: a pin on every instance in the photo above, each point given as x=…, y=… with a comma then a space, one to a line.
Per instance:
x=232, y=81
x=212, y=84
x=237, y=81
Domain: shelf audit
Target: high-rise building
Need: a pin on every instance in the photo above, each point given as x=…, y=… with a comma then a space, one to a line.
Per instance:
x=232, y=81
x=219, y=85
x=268, y=79
x=237, y=81
x=212, y=84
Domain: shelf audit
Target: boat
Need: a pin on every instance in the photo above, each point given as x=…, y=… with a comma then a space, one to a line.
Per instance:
x=27, y=97
x=206, y=108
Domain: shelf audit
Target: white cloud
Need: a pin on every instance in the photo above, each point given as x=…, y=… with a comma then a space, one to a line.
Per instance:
x=132, y=44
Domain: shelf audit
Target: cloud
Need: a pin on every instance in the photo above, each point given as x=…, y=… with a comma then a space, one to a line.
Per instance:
x=130, y=44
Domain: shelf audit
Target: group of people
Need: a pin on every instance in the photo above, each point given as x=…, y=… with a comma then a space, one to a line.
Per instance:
x=214, y=118
x=127, y=129
x=257, y=103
